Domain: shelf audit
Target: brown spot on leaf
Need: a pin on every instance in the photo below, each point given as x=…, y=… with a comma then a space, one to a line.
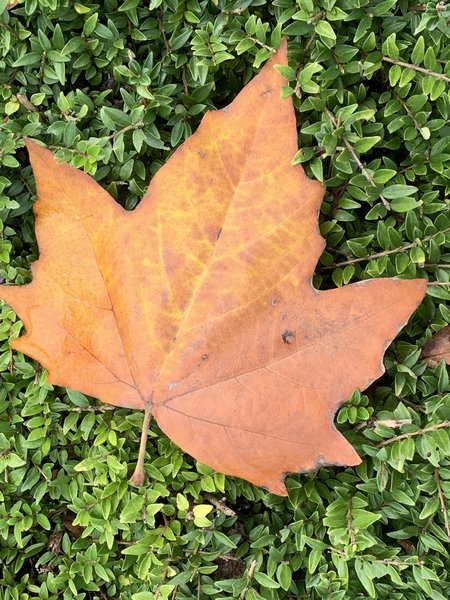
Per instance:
x=287, y=335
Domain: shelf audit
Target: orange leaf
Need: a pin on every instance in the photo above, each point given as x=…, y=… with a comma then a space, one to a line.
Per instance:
x=198, y=305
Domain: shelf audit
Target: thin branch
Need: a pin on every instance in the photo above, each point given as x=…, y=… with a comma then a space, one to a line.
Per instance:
x=219, y=504
x=437, y=266
x=213, y=57
x=42, y=67
x=317, y=17
x=10, y=29
x=384, y=561
x=400, y=63
x=23, y=100
x=297, y=89
x=350, y=531
x=413, y=405
x=404, y=248
x=83, y=154
x=259, y=43
x=442, y=502
x=161, y=582
x=442, y=283
x=199, y=586
x=185, y=80
x=356, y=158
x=249, y=577
x=310, y=41
x=384, y=422
x=159, y=17
x=125, y=129
x=80, y=409
x=405, y=436
x=417, y=125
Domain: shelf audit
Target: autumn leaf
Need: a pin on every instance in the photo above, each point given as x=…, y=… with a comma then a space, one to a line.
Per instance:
x=198, y=305
x=437, y=348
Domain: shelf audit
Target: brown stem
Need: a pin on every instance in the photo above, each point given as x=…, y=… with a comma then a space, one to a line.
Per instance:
x=413, y=405
x=256, y=41
x=350, y=522
x=199, y=587
x=213, y=58
x=80, y=409
x=42, y=66
x=185, y=80
x=250, y=573
x=83, y=154
x=219, y=504
x=437, y=266
x=416, y=68
x=351, y=261
x=356, y=158
x=139, y=473
x=127, y=128
x=317, y=17
x=404, y=436
x=23, y=100
x=384, y=561
x=417, y=125
x=161, y=582
x=442, y=502
x=160, y=18
x=310, y=41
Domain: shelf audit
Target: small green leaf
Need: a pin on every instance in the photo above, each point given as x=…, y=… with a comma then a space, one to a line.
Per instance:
x=419, y=51
x=404, y=204
x=365, y=144
x=265, y=581
x=326, y=33
x=397, y=191
x=201, y=510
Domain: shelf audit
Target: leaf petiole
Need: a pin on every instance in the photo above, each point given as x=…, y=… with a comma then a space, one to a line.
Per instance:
x=139, y=473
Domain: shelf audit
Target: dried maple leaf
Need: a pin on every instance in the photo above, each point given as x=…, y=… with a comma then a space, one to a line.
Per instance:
x=198, y=305
x=437, y=348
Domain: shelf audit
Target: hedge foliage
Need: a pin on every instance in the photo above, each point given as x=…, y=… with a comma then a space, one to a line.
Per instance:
x=114, y=88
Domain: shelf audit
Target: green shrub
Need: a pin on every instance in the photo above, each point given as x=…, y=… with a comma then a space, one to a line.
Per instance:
x=114, y=88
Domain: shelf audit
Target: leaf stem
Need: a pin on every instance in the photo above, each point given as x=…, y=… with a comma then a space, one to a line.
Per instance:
x=139, y=473
x=416, y=68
